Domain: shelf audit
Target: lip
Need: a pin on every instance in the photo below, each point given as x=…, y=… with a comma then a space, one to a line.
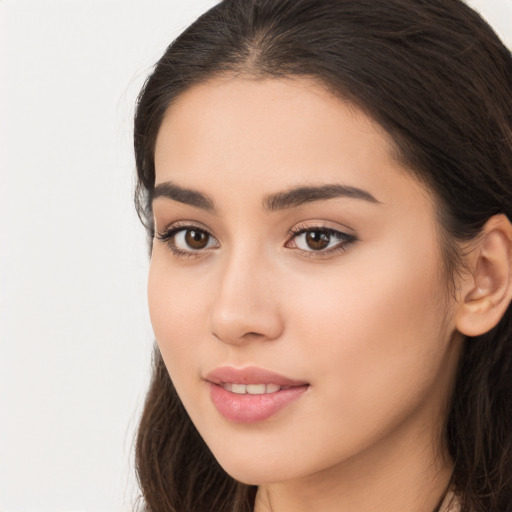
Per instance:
x=247, y=408
x=250, y=375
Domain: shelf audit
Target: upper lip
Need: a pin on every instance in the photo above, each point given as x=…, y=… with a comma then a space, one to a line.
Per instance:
x=250, y=375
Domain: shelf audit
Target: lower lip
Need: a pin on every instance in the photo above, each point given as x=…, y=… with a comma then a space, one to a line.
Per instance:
x=252, y=408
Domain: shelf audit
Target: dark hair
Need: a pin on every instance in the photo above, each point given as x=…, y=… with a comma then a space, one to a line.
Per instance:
x=435, y=76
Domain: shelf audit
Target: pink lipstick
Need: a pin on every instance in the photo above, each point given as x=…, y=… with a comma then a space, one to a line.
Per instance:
x=250, y=394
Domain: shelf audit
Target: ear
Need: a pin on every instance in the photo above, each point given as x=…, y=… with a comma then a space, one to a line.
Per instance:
x=486, y=290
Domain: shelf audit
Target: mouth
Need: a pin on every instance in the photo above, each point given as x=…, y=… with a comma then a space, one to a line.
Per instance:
x=251, y=394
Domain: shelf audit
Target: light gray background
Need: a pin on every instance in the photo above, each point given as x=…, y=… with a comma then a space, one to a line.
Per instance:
x=75, y=337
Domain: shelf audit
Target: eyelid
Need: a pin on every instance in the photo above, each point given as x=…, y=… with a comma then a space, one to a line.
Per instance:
x=320, y=224
x=181, y=224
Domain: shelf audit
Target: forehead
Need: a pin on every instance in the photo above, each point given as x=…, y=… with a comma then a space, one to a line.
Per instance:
x=262, y=136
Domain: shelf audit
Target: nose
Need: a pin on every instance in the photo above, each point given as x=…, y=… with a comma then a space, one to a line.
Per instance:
x=246, y=304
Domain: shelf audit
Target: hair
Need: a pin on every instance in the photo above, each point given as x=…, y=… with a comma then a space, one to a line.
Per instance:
x=436, y=77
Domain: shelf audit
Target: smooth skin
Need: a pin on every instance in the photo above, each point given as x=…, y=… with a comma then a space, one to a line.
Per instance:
x=347, y=293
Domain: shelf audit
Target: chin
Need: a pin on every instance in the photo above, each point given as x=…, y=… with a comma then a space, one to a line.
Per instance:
x=262, y=468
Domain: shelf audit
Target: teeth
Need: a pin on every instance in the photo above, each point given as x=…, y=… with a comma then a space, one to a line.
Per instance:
x=251, y=389
x=272, y=388
x=239, y=389
x=256, y=389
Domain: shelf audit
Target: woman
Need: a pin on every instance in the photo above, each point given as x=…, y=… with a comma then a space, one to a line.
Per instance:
x=327, y=188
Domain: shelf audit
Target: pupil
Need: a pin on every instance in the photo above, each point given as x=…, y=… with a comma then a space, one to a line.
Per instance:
x=196, y=239
x=317, y=240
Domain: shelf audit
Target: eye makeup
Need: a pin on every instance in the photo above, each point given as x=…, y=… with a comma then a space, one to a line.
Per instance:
x=312, y=240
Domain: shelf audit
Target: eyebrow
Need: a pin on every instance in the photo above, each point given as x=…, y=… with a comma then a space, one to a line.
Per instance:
x=302, y=195
x=279, y=201
x=183, y=195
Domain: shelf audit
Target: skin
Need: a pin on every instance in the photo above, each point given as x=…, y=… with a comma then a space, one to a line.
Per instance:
x=370, y=326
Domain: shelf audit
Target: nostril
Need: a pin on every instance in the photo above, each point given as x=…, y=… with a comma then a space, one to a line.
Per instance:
x=227, y=337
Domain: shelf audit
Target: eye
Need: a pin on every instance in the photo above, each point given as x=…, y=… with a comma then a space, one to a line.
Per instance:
x=195, y=239
x=319, y=239
x=188, y=240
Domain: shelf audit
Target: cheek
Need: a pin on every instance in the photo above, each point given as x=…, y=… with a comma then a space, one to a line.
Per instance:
x=176, y=302
x=375, y=327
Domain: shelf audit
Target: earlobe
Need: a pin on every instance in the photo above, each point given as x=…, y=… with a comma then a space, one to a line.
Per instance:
x=486, y=290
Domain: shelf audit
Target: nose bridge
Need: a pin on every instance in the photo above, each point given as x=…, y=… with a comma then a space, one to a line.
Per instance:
x=245, y=305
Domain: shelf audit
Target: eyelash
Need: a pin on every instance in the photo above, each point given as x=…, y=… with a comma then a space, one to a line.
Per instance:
x=345, y=240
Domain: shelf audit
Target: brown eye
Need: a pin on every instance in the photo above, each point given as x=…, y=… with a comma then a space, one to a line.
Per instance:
x=188, y=240
x=196, y=239
x=317, y=240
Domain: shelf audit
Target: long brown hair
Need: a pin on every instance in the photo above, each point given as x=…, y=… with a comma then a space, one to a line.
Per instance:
x=439, y=81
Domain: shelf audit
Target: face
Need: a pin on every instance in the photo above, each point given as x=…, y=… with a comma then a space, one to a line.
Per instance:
x=296, y=288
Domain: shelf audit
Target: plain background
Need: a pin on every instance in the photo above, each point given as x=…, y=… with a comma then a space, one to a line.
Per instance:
x=75, y=336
